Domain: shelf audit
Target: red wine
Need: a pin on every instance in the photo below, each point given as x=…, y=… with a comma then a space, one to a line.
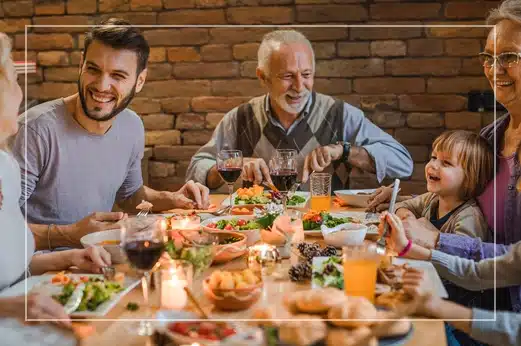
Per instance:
x=230, y=174
x=284, y=179
x=144, y=254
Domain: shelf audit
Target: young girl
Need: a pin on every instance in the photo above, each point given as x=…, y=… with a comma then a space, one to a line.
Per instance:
x=461, y=166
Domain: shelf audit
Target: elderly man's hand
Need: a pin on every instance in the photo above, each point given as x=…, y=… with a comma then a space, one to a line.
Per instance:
x=192, y=195
x=256, y=170
x=320, y=158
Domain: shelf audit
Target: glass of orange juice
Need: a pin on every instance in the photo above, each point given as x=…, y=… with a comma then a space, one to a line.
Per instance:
x=360, y=267
x=320, y=187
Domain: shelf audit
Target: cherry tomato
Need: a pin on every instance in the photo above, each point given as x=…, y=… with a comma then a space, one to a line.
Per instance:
x=228, y=227
x=226, y=332
x=211, y=225
x=317, y=219
x=181, y=328
x=241, y=222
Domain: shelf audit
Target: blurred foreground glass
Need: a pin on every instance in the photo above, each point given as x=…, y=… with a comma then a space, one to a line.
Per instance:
x=320, y=187
x=360, y=268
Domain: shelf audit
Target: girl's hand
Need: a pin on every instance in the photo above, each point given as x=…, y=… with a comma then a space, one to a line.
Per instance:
x=397, y=238
x=417, y=284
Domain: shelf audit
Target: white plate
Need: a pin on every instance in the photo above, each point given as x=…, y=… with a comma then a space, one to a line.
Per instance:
x=352, y=198
x=304, y=194
x=354, y=214
x=428, y=268
x=42, y=283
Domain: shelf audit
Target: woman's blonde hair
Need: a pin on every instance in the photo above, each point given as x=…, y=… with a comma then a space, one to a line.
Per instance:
x=509, y=9
x=5, y=52
x=475, y=156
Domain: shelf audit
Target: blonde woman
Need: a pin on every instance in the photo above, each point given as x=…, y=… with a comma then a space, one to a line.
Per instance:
x=13, y=229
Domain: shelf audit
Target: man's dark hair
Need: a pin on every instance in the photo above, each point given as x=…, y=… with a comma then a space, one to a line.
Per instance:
x=118, y=37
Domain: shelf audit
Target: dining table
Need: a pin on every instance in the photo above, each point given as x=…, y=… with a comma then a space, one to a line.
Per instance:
x=117, y=327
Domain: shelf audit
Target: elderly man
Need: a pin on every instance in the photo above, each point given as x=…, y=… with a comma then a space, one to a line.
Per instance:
x=327, y=133
x=82, y=153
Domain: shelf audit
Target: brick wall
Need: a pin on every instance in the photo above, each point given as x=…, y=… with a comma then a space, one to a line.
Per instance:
x=412, y=81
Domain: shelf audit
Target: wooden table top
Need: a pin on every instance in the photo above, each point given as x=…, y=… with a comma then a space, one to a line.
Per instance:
x=110, y=333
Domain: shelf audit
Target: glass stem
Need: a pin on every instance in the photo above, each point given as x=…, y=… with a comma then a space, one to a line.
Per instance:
x=230, y=191
x=145, y=328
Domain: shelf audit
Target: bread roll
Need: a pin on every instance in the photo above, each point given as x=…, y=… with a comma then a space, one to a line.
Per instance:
x=345, y=337
x=302, y=333
x=396, y=328
x=319, y=301
x=355, y=312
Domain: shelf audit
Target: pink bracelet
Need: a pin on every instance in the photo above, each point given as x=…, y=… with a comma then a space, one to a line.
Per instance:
x=405, y=249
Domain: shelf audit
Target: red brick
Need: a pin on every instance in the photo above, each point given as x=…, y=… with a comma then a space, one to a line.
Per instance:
x=276, y=2
x=159, y=71
x=216, y=52
x=425, y=120
x=197, y=137
x=388, y=119
x=380, y=102
x=18, y=8
x=467, y=10
x=167, y=184
x=332, y=86
x=145, y=5
x=432, y=103
x=259, y=15
x=463, y=120
x=61, y=74
x=465, y=30
x=462, y=47
x=166, y=137
x=487, y=118
x=32, y=78
x=324, y=50
x=401, y=11
x=175, y=153
x=20, y=55
x=472, y=66
x=213, y=103
x=456, y=85
x=50, y=91
x=249, y=69
x=139, y=18
x=379, y=33
x=388, y=48
x=49, y=7
x=210, y=3
x=55, y=21
x=324, y=34
x=189, y=121
x=237, y=35
x=425, y=47
x=145, y=105
x=181, y=168
x=81, y=7
x=239, y=87
x=158, y=169
x=353, y=49
x=418, y=172
x=245, y=51
x=157, y=54
x=412, y=187
x=12, y=25
x=331, y=13
x=194, y=17
x=350, y=68
x=389, y=85
x=158, y=121
x=113, y=5
x=310, y=2
x=243, y=2
x=206, y=70
x=53, y=58
x=81, y=41
x=177, y=37
x=177, y=54
x=417, y=136
x=419, y=153
x=44, y=41
x=75, y=58
x=353, y=100
x=213, y=119
x=173, y=88
x=430, y=66
x=176, y=104
x=174, y=4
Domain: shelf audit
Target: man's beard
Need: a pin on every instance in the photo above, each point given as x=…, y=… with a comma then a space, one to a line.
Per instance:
x=117, y=109
x=292, y=109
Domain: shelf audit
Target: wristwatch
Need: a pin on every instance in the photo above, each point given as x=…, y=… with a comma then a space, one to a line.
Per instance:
x=346, y=150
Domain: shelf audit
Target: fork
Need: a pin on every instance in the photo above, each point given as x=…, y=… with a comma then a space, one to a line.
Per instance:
x=143, y=212
x=381, y=244
x=221, y=211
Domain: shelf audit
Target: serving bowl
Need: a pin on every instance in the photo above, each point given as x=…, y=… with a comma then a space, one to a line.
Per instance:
x=233, y=299
x=355, y=198
x=110, y=240
x=252, y=235
x=227, y=252
x=344, y=234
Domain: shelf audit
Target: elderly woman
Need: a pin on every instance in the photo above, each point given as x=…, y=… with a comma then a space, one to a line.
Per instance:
x=13, y=229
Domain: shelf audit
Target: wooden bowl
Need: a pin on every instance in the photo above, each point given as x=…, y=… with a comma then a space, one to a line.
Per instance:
x=227, y=252
x=252, y=235
x=232, y=299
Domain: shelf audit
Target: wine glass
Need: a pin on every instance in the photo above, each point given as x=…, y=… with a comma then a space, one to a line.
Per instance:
x=143, y=240
x=229, y=166
x=283, y=171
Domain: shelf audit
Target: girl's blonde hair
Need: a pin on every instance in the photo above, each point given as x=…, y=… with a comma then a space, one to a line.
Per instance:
x=475, y=156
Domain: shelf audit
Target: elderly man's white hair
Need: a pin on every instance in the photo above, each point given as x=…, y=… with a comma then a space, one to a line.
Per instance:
x=509, y=9
x=273, y=40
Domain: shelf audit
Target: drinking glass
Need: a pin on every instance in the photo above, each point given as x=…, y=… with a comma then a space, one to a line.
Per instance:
x=360, y=267
x=320, y=187
x=283, y=171
x=229, y=165
x=143, y=240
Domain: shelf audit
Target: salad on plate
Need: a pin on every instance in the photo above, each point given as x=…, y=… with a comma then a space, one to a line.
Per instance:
x=328, y=272
x=235, y=224
x=312, y=220
x=257, y=195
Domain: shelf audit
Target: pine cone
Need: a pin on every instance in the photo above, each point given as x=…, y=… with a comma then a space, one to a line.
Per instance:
x=329, y=251
x=300, y=272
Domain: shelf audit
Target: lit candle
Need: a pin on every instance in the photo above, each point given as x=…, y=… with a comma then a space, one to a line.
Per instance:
x=173, y=295
x=186, y=224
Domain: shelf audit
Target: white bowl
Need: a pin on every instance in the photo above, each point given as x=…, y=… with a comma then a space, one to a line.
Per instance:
x=344, y=234
x=116, y=252
x=355, y=198
x=252, y=235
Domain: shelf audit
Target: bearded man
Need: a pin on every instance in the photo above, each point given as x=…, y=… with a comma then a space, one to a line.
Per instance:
x=82, y=153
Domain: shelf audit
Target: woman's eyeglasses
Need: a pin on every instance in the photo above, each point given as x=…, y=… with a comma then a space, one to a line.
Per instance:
x=505, y=60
